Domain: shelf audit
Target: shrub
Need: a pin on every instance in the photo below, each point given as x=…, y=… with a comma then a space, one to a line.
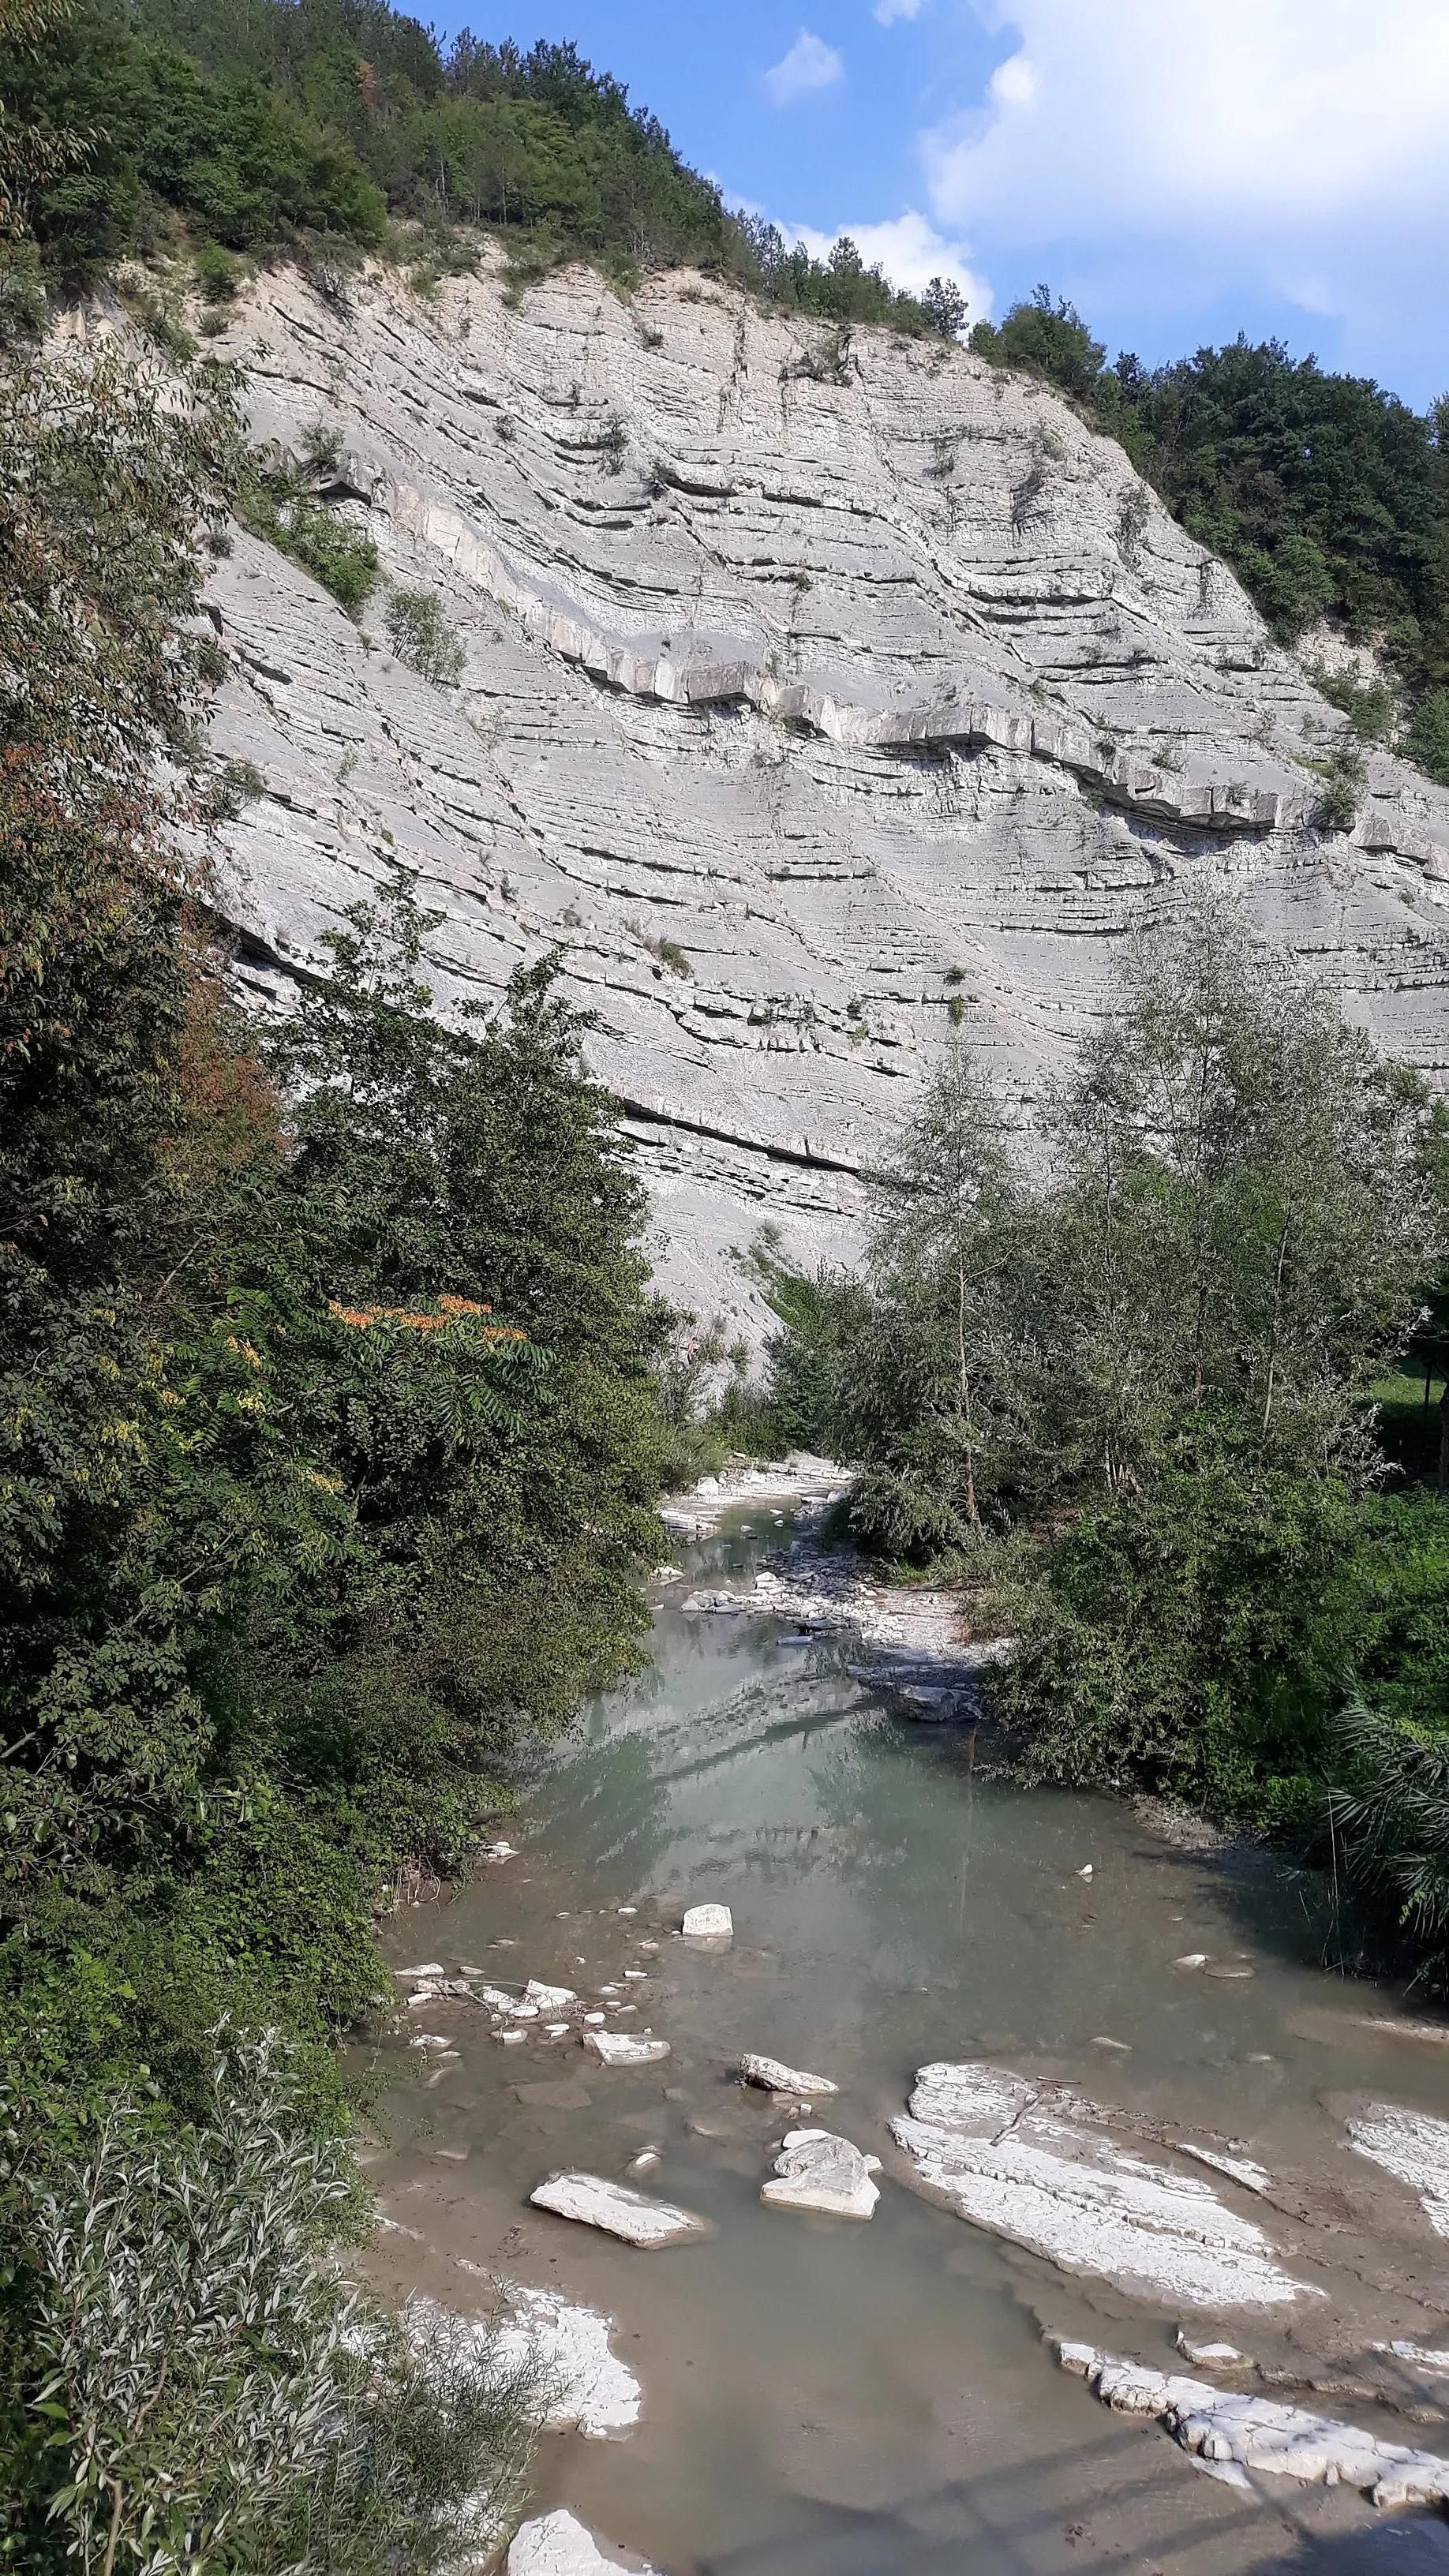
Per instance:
x=192, y=2382
x=219, y=273
x=276, y=503
x=1368, y=705
x=420, y=635
x=1427, y=740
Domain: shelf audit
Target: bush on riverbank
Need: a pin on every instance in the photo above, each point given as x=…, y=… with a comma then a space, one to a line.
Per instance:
x=189, y=2380
x=1123, y=1386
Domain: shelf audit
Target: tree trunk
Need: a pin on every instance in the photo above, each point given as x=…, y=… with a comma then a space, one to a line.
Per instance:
x=972, y=1513
x=1443, y=1480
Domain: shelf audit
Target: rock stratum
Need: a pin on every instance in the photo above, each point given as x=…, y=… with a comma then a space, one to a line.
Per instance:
x=818, y=691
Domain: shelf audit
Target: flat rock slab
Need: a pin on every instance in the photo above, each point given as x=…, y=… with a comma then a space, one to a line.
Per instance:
x=1035, y=2164
x=1414, y=2148
x=709, y=1923
x=621, y=2048
x=1225, y=2428
x=594, y=2202
x=588, y=2388
x=778, y=2078
x=817, y=2171
x=557, y=2544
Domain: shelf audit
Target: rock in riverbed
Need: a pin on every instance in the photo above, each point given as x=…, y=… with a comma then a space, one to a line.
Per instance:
x=1035, y=2163
x=777, y=2078
x=559, y=2545
x=619, y=2212
x=821, y=2172
x=1414, y=2148
x=1225, y=2428
x=621, y=2048
x=709, y=1923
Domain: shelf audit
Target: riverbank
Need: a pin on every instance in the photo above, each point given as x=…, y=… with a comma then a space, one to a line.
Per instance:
x=816, y=2393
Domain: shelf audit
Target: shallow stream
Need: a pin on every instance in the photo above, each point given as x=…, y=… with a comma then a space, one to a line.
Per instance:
x=828, y=2399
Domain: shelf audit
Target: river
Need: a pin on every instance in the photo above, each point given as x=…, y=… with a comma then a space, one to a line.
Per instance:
x=828, y=2399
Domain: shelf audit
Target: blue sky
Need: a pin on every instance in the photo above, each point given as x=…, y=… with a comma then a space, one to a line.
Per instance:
x=1181, y=168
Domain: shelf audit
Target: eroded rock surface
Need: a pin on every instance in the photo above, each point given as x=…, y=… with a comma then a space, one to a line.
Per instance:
x=1030, y=2162
x=1413, y=2147
x=1226, y=2428
x=811, y=690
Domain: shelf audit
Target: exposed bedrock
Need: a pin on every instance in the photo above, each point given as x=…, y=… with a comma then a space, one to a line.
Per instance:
x=811, y=699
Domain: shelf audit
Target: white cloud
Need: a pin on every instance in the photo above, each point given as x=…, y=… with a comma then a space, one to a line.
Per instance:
x=910, y=251
x=887, y=11
x=1299, y=144
x=809, y=65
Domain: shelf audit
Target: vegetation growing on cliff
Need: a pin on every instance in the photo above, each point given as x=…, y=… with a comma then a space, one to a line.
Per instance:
x=1132, y=1402
x=1328, y=497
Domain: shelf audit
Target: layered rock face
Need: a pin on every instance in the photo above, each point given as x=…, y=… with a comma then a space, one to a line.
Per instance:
x=820, y=693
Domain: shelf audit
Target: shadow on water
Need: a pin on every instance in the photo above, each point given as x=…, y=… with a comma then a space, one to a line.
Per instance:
x=990, y=2526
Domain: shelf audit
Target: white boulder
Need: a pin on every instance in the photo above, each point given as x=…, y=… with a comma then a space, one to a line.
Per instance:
x=594, y=2202
x=778, y=2078
x=709, y=1923
x=557, y=2544
x=622, y=2048
x=549, y=1998
x=821, y=2172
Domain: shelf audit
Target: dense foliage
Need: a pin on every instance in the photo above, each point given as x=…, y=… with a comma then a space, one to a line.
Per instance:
x=1328, y=497
x=1121, y=1379
x=329, y=1435
x=329, y=117
x=200, y=2388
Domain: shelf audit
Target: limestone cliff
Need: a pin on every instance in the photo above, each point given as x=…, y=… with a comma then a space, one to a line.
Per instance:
x=813, y=687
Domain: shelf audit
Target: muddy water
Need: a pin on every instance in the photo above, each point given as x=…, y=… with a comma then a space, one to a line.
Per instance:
x=822, y=2399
